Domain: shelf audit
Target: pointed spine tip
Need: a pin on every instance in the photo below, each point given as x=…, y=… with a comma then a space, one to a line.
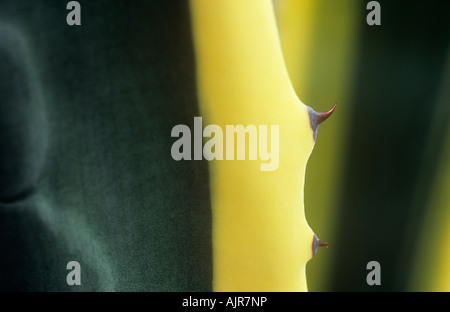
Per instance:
x=318, y=243
x=322, y=116
x=316, y=118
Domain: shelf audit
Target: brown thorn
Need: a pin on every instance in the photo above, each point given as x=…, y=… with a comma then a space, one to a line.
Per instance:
x=316, y=118
x=317, y=243
x=322, y=116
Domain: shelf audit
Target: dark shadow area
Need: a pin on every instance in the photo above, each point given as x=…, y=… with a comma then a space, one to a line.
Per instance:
x=107, y=193
x=400, y=68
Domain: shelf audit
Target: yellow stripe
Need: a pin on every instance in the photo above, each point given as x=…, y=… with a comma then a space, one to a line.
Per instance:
x=261, y=239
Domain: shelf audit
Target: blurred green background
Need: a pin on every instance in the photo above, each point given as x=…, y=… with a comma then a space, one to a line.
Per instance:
x=377, y=183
